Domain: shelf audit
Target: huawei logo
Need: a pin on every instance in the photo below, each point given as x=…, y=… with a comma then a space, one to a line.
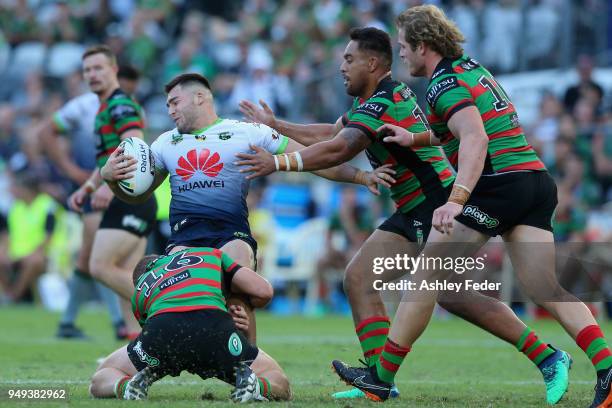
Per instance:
x=203, y=161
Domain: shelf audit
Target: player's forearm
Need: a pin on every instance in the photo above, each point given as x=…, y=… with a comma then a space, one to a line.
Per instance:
x=305, y=134
x=426, y=138
x=344, y=173
x=324, y=155
x=472, y=154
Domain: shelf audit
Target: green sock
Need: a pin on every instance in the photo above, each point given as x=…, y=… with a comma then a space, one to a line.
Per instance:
x=390, y=361
x=534, y=348
x=264, y=387
x=372, y=333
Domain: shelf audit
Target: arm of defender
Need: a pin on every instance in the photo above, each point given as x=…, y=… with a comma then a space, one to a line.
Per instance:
x=466, y=125
x=303, y=134
x=345, y=173
x=257, y=288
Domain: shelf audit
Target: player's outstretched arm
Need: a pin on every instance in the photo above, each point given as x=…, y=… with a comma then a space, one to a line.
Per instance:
x=401, y=136
x=345, y=173
x=119, y=167
x=323, y=155
x=304, y=134
x=257, y=288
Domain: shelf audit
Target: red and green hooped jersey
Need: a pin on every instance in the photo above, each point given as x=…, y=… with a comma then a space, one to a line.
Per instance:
x=456, y=84
x=118, y=114
x=192, y=279
x=421, y=172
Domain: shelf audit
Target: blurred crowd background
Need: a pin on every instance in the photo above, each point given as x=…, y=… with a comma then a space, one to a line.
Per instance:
x=288, y=53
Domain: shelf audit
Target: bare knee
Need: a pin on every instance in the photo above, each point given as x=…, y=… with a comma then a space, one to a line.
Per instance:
x=97, y=268
x=95, y=387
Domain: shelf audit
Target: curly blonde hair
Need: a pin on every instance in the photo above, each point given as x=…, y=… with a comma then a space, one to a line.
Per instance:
x=429, y=25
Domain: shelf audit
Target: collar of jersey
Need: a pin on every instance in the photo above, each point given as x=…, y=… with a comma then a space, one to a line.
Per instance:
x=204, y=129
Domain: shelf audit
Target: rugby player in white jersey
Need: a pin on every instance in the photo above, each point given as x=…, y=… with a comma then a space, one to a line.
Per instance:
x=208, y=206
x=75, y=157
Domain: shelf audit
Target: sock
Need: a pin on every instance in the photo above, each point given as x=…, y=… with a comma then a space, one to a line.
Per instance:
x=79, y=290
x=390, y=361
x=264, y=387
x=120, y=386
x=592, y=341
x=534, y=348
x=111, y=299
x=372, y=333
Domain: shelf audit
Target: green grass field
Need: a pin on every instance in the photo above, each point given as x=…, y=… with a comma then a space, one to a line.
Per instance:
x=453, y=365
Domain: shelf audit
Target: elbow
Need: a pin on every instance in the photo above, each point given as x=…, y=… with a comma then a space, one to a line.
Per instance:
x=263, y=296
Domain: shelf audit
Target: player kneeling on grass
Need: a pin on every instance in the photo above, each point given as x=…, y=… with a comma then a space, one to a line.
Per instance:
x=179, y=301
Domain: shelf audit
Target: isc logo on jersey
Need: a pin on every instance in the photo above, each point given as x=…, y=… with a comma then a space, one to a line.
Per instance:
x=199, y=161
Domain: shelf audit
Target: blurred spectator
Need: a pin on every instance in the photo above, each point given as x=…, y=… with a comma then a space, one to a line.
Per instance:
x=260, y=83
x=502, y=23
x=31, y=221
x=189, y=59
x=544, y=132
x=602, y=160
x=542, y=33
x=348, y=229
x=586, y=88
x=9, y=142
x=468, y=15
x=33, y=99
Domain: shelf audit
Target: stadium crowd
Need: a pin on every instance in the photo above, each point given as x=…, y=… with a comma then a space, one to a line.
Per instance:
x=288, y=54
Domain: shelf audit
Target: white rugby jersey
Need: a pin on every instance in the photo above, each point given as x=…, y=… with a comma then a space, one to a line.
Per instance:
x=204, y=180
x=76, y=118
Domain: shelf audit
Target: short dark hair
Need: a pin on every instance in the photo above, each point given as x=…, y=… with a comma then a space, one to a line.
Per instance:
x=143, y=266
x=100, y=49
x=375, y=40
x=187, y=79
x=128, y=72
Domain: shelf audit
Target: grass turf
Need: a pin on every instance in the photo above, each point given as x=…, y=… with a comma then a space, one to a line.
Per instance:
x=452, y=365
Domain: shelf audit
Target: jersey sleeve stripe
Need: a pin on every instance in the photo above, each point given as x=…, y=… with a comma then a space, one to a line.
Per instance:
x=283, y=145
x=371, y=133
x=129, y=126
x=457, y=107
x=59, y=125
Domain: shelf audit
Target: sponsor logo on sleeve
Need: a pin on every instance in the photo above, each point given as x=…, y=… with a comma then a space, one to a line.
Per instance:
x=437, y=90
x=373, y=109
x=407, y=94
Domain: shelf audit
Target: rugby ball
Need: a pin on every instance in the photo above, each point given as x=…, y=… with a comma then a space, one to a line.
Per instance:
x=142, y=178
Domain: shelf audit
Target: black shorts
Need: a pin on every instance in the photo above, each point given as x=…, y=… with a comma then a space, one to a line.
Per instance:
x=202, y=342
x=415, y=224
x=196, y=232
x=137, y=219
x=501, y=202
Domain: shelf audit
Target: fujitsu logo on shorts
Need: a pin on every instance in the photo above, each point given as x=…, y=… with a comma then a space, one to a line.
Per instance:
x=482, y=218
x=203, y=161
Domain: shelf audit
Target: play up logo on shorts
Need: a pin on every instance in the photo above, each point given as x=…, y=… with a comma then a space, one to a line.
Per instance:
x=234, y=345
x=204, y=161
x=482, y=218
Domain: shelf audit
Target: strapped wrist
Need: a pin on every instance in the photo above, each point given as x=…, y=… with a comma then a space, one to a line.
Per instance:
x=459, y=194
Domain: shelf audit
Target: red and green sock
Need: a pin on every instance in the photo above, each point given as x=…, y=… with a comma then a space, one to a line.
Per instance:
x=390, y=360
x=264, y=387
x=534, y=348
x=592, y=341
x=372, y=333
x=120, y=386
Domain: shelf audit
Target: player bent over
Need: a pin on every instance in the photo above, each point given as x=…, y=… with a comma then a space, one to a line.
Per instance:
x=179, y=301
